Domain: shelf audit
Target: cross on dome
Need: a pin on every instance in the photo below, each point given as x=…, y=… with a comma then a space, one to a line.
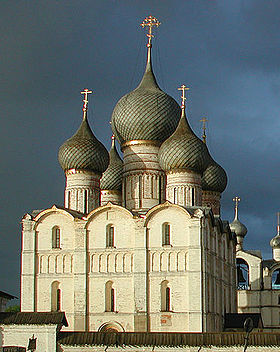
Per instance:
x=86, y=92
x=183, y=88
x=150, y=22
x=236, y=200
x=204, y=120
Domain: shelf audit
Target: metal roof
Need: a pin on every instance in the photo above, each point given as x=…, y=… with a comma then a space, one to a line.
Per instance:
x=160, y=339
x=33, y=318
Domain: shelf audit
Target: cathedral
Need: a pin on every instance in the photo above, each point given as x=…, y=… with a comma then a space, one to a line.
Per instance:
x=139, y=245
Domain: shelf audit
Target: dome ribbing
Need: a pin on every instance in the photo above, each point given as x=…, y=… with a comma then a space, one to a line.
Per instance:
x=146, y=113
x=214, y=178
x=237, y=226
x=83, y=151
x=112, y=177
x=184, y=150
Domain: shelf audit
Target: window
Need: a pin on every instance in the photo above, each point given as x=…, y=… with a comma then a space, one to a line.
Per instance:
x=85, y=201
x=165, y=234
x=242, y=274
x=109, y=297
x=279, y=299
x=192, y=197
x=165, y=296
x=55, y=297
x=55, y=237
x=275, y=279
x=109, y=236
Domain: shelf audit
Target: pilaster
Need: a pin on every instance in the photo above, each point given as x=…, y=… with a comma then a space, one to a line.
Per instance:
x=28, y=266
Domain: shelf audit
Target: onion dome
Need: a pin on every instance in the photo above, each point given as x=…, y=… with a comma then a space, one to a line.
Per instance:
x=112, y=177
x=275, y=242
x=83, y=151
x=214, y=178
x=183, y=149
x=236, y=226
x=146, y=113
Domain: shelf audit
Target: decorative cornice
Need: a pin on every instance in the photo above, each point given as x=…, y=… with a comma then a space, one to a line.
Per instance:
x=140, y=142
x=84, y=172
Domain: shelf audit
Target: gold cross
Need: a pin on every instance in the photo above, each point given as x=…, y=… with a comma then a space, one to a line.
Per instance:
x=183, y=88
x=236, y=200
x=150, y=22
x=86, y=92
x=204, y=120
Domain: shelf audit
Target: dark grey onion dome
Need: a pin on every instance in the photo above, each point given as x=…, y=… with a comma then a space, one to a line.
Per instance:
x=112, y=177
x=275, y=242
x=184, y=150
x=237, y=226
x=146, y=113
x=83, y=151
x=214, y=178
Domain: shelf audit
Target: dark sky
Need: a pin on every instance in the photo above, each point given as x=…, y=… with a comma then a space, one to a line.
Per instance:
x=227, y=52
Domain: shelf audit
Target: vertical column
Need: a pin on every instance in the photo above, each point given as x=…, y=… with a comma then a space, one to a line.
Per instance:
x=80, y=270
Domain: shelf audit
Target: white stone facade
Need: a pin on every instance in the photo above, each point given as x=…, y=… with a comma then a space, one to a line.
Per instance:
x=19, y=335
x=195, y=266
x=259, y=294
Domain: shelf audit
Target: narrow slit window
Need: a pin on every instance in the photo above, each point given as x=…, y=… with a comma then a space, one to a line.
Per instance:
x=165, y=296
x=58, y=299
x=110, y=236
x=165, y=234
x=109, y=297
x=192, y=196
x=55, y=237
x=86, y=201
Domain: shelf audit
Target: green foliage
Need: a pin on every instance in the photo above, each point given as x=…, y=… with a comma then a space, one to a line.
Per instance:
x=15, y=308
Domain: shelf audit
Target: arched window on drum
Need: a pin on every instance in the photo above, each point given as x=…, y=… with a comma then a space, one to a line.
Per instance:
x=242, y=274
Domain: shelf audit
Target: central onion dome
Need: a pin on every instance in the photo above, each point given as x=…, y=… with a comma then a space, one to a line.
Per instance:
x=214, y=178
x=83, y=151
x=184, y=150
x=112, y=177
x=146, y=113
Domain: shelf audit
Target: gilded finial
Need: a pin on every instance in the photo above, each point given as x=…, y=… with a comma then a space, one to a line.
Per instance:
x=183, y=88
x=278, y=224
x=236, y=200
x=85, y=105
x=150, y=22
x=204, y=120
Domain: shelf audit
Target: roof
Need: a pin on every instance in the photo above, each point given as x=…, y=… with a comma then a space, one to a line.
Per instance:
x=166, y=339
x=33, y=318
x=236, y=320
x=6, y=295
x=74, y=213
x=269, y=263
